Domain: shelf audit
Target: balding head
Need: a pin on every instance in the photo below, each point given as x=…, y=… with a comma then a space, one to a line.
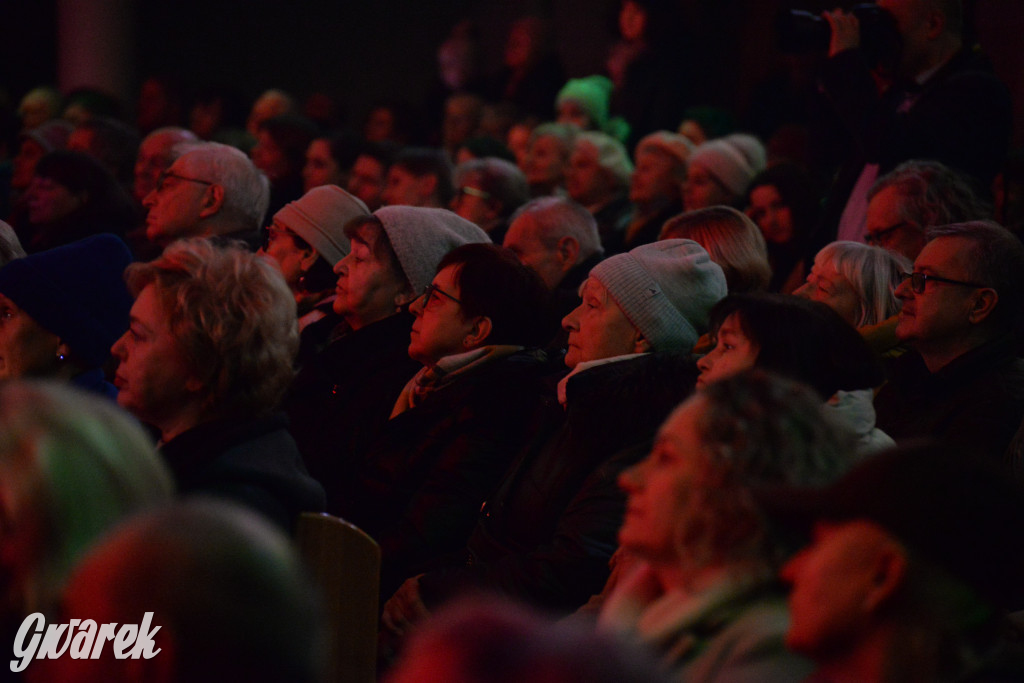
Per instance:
x=155, y=155
x=552, y=235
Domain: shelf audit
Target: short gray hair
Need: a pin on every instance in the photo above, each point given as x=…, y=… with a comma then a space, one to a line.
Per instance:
x=557, y=217
x=246, y=189
x=501, y=179
x=997, y=261
x=933, y=194
x=873, y=272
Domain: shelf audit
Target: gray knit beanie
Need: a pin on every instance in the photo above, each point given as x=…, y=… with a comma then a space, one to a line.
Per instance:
x=320, y=216
x=676, y=146
x=733, y=160
x=421, y=237
x=666, y=289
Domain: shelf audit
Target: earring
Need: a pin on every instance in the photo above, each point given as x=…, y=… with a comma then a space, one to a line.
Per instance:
x=61, y=357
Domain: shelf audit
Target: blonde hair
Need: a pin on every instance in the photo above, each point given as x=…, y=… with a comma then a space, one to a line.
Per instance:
x=234, y=318
x=732, y=240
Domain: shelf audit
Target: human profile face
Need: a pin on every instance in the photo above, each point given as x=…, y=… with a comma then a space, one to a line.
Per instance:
x=734, y=352
x=702, y=189
x=269, y=157
x=632, y=21
x=825, y=284
x=663, y=487
x=653, y=178
x=886, y=227
x=368, y=288
x=523, y=240
x=404, y=189
x=320, y=168
x=26, y=348
x=441, y=329
x=545, y=162
x=830, y=579
x=772, y=216
x=587, y=182
x=939, y=316
x=598, y=328
x=49, y=200
x=176, y=205
x=518, y=141
x=155, y=381
x=367, y=181
x=292, y=260
x=571, y=111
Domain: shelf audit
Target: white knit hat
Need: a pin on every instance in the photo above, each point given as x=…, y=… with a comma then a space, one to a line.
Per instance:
x=421, y=237
x=666, y=289
x=676, y=146
x=734, y=160
x=320, y=217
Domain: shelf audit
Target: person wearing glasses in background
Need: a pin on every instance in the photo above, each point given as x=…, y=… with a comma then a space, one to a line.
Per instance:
x=211, y=190
x=961, y=382
x=915, y=195
x=487, y=192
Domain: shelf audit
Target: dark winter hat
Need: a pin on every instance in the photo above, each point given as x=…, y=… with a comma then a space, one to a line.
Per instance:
x=951, y=507
x=75, y=291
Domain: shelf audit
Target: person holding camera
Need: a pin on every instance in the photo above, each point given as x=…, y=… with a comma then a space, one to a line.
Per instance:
x=934, y=98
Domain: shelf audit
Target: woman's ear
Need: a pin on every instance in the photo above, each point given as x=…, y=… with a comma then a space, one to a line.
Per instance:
x=640, y=343
x=479, y=333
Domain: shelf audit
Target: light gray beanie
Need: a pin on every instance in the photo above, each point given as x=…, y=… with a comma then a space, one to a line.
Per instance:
x=734, y=160
x=421, y=237
x=320, y=216
x=666, y=289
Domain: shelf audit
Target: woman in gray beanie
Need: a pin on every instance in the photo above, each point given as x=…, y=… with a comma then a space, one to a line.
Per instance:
x=347, y=391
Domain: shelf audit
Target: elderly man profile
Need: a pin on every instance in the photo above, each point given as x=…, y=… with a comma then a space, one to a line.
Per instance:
x=962, y=381
x=914, y=555
x=211, y=190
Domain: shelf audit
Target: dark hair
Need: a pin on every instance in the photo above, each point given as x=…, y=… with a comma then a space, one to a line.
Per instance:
x=493, y=283
x=486, y=146
x=421, y=161
x=384, y=152
x=803, y=340
x=115, y=144
x=345, y=147
x=107, y=206
x=292, y=134
x=798, y=191
x=320, y=277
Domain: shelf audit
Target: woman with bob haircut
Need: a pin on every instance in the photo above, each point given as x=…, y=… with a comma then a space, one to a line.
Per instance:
x=732, y=240
x=205, y=361
x=702, y=591
x=71, y=467
x=459, y=421
x=858, y=281
x=805, y=341
x=343, y=395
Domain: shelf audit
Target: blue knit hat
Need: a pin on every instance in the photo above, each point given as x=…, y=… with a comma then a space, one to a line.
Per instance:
x=75, y=291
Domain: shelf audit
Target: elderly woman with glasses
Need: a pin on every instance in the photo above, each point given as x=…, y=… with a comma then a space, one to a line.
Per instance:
x=461, y=418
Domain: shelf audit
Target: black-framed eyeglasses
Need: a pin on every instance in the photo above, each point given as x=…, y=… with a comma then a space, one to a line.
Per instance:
x=430, y=290
x=167, y=174
x=875, y=238
x=919, y=280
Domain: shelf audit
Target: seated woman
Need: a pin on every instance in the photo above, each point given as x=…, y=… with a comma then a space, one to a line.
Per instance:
x=307, y=240
x=858, y=281
x=460, y=420
x=702, y=592
x=71, y=468
x=60, y=310
x=732, y=241
x=205, y=361
x=547, y=158
x=72, y=196
x=346, y=393
x=803, y=340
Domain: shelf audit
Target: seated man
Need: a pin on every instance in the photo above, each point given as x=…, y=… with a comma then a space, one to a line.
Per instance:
x=229, y=599
x=558, y=239
x=156, y=154
x=914, y=554
x=962, y=381
x=487, y=192
x=548, y=531
x=211, y=190
x=419, y=177
x=914, y=196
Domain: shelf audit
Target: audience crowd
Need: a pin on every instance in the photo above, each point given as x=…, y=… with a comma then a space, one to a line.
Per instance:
x=621, y=389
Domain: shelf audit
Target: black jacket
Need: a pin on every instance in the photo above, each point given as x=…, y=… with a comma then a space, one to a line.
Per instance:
x=548, y=532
